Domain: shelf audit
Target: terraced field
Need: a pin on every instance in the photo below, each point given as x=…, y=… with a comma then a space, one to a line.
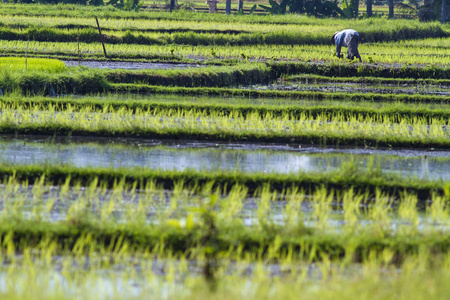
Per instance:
x=212, y=156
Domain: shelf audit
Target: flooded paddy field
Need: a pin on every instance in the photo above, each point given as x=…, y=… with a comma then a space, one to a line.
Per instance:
x=219, y=217
x=221, y=157
x=162, y=277
x=130, y=65
x=191, y=155
x=124, y=268
x=333, y=87
x=155, y=205
x=237, y=101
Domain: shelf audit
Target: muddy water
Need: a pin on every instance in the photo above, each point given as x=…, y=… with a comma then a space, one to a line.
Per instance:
x=129, y=65
x=180, y=156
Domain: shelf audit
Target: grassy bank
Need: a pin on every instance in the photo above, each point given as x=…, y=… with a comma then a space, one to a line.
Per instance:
x=352, y=70
x=213, y=80
x=33, y=64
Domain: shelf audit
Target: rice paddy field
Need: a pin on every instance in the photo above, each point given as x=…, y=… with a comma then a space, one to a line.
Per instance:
x=221, y=157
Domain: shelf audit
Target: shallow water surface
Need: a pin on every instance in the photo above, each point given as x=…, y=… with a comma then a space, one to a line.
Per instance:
x=262, y=158
x=129, y=65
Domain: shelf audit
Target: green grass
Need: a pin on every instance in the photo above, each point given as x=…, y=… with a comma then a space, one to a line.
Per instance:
x=406, y=71
x=14, y=64
x=196, y=81
x=370, y=282
x=70, y=80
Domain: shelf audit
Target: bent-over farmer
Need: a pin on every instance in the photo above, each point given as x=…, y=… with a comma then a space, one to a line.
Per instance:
x=347, y=38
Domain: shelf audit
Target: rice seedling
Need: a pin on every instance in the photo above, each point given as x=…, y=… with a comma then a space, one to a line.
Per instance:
x=203, y=33
x=348, y=175
x=353, y=130
x=76, y=235
x=136, y=19
x=205, y=106
x=424, y=82
x=379, y=53
x=365, y=229
x=13, y=64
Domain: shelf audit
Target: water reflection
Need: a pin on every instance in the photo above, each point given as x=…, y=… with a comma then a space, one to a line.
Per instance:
x=171, y=157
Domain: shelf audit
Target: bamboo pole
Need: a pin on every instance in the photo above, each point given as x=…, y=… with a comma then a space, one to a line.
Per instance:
x=78, y=45
x=26, y=57
x=101, y=37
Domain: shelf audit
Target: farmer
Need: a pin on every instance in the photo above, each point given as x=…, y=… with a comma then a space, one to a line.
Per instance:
x=347, y=38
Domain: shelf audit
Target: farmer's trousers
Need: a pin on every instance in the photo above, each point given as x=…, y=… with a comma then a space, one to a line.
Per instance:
x=352, y=49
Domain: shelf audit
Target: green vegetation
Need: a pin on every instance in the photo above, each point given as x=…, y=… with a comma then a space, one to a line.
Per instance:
x=267, y=93
x=13, y=64
x=71, y=230
x=104, y=234
x=370, y=181
x=76, y=81
x=299, y=35
x=166, y=105
x=109, y=12
x=195, y=81
x=191, y=124
x=380, y=53
x=312, y=78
